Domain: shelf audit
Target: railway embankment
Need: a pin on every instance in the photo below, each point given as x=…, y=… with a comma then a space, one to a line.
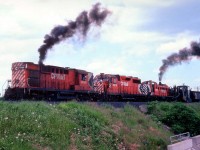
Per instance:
x=72, y=125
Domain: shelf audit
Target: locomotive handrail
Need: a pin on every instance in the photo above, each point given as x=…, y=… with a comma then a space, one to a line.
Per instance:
x=7, y=81
x=176, y=96
x=28, y=82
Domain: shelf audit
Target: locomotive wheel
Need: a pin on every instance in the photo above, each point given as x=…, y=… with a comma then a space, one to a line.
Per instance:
x=77, y=97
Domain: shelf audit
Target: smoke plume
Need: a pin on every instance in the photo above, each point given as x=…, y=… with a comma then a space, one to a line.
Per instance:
x=80, y=26
x=184, y=55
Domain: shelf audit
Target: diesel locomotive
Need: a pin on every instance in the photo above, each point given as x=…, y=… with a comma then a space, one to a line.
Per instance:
x=33, y=81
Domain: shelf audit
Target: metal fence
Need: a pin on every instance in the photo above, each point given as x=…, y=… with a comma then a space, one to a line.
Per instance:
x=179, y=137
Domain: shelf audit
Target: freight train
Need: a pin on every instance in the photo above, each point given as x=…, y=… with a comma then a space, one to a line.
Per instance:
x=33, y=81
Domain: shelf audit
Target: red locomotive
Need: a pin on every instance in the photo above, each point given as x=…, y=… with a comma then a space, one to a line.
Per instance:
x=30, y=80
x=33, y=81
x=129, y=88
x=157, y=90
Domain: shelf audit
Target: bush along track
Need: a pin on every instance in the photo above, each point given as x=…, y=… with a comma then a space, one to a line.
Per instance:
x=179, y=117
x=40, y=125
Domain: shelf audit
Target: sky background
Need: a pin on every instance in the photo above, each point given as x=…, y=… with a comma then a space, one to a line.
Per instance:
x=133, y=40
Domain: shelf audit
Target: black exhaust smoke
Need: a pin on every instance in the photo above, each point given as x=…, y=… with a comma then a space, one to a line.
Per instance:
x=184, y=55
x=80, y=26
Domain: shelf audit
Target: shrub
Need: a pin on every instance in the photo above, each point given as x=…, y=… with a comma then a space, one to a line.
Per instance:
x=182, y=119
x=177, y=116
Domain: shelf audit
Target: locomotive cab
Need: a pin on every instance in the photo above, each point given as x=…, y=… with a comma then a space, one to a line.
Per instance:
x=19, y=82
x=158, y=91
x=80, y=80
x=183, y=93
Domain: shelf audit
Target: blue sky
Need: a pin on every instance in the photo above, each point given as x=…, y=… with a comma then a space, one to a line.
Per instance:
x=133, y=40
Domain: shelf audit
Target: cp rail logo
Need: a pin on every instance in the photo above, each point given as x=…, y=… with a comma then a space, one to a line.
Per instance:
x=144, y=89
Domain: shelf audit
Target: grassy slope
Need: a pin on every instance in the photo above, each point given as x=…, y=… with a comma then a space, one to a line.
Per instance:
x=195, y=106
x=38, y=125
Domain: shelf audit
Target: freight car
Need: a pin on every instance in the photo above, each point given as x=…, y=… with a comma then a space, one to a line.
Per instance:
x=33, y=81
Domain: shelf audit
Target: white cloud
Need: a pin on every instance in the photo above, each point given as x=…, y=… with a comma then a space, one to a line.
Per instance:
x=172, y=82
x=18, y=46
x=26, y=17
x=144, y=3
x=10, y=26
x=136, y=50
x=197, y=80
x=118, y=34
x=175, y=43
x=117, y=65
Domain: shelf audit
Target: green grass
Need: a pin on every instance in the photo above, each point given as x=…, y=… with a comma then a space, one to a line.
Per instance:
x=93, y=127
x=39, y=125
x=137, y=130
x=31, y=125
x=195, y=106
